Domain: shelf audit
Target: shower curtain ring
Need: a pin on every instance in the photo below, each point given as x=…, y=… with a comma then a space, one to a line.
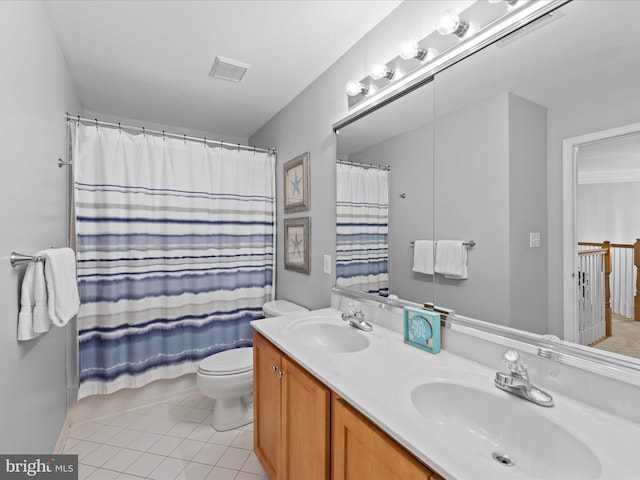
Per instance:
x=96, y=123
x=238, y=148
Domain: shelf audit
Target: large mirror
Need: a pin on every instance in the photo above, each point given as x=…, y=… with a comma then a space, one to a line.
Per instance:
x=497, y=122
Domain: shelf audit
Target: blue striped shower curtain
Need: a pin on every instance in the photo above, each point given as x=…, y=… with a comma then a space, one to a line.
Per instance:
x=175, y=247
x=362, y=216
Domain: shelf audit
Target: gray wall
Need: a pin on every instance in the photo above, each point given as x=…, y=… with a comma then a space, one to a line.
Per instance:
x=608, y=211
x=528, y=214
x=472, y=203
x=305, y=126
x=35, y=93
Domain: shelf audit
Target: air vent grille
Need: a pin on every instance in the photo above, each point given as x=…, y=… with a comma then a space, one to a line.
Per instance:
x=530, y=27
x=229, y=70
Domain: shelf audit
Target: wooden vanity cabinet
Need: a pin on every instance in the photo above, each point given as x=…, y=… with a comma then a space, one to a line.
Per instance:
x=291, y=417
x=304, y=431
x=361, y=450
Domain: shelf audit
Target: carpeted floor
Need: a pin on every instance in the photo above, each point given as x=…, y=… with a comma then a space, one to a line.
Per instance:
x=625, y=339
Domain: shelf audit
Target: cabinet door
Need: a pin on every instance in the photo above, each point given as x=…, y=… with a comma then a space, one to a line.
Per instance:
x=306, y=407
x=267, y=404
x=361, y=450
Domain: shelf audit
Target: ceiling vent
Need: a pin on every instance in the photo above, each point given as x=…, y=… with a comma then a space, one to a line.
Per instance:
x=530, y=27
x=230, y=70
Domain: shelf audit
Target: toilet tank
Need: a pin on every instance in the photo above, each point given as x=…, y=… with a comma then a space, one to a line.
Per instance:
x=277, y=308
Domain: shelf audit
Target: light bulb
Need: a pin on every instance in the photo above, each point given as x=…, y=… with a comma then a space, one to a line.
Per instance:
x=410, y=50
x=450, y=22
x=354, y=88
x=379, y=71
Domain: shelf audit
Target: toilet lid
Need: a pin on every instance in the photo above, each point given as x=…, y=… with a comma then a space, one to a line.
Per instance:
x=229, y=362
x=282, y=307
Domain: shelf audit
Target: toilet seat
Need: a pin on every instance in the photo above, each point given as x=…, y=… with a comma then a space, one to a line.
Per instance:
x=228, y=362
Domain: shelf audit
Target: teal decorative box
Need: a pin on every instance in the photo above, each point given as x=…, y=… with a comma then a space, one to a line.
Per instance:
x=422, y=329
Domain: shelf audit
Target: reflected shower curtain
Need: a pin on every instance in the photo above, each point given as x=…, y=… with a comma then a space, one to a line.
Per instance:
x=362, y=224
x=175, y=253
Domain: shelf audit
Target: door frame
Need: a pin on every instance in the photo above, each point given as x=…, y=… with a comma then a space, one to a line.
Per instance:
x=570, y=243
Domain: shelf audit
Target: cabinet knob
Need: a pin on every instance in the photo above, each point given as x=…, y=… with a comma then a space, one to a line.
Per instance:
x=274, y=368
x=281, y=374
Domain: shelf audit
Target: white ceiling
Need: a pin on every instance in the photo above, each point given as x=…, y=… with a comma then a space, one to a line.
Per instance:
x=149, y=60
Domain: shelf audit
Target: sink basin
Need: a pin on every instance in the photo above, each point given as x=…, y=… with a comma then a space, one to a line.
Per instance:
x=329, y=335
x=508, y=433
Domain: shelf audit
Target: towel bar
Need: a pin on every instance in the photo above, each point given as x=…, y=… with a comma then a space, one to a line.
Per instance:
x=20, y=259
x=469, y=244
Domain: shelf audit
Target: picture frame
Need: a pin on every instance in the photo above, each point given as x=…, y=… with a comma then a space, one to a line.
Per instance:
x=422, y=329
x=297, y=247
x=297, y=194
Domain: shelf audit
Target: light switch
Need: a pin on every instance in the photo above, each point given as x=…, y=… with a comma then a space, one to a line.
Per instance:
x=327, y=264
x=534, y=240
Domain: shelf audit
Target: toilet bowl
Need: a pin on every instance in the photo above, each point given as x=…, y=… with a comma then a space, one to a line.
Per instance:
x=227, y=377
x=277, y=308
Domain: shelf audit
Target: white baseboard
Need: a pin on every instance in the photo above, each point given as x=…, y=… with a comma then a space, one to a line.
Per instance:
x=62, y=438
x=97, y=406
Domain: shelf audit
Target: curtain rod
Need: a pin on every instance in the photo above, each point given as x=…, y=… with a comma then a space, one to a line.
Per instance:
x=364, y=165
x=162, y=133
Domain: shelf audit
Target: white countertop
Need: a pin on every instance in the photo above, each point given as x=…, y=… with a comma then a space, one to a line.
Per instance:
x=379, y=380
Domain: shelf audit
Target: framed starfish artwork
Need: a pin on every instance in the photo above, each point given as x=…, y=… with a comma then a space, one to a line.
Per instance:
x=297, y=250
x=297, y=195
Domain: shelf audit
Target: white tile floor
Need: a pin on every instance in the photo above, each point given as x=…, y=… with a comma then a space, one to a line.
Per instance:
x=169, y=440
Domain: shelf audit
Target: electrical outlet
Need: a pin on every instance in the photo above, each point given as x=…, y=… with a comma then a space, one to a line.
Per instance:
x=327, y=264
x=534, y=240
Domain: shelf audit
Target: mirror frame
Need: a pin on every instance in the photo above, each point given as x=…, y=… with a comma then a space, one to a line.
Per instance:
x=614, y=366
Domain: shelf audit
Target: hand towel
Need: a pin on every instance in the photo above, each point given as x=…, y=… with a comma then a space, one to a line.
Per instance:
x=41, y=321
x=423, y=256
x=27, y=302
x=451, y=259
x=62, y=284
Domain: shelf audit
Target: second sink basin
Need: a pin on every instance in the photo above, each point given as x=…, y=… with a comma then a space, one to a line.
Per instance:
x=328, y=334
x=506, y=430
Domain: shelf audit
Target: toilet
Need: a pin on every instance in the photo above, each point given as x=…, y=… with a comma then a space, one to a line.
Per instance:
x=227, y=377
x=277, y=308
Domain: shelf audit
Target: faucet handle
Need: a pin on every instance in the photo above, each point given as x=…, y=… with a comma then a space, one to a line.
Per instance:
x=514, y=363
x=353, y=309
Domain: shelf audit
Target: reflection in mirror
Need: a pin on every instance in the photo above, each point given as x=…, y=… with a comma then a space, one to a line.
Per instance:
x=399, y=138
x=501, y=116
x=607, y=229
x=499, y=120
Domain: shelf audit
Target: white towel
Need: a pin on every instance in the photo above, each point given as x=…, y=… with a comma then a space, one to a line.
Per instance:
x=62, y=284
x=423, y=256
x=27, y=302
x=41, y=321
x=451, y=259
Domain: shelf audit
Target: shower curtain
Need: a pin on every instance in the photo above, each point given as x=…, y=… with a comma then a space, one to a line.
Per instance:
x=175, y=253
x=362, y=224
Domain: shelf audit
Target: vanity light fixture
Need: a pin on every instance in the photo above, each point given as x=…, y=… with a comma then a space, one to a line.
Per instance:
x=451, y=23
x=354, y=88
x=508, y=2
x=379, y=71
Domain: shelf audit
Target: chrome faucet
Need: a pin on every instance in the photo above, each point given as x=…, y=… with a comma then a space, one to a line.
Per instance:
x=517, y=381
x=355, y=318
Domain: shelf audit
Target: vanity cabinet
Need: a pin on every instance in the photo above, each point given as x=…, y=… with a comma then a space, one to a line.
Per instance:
x=303, y=430
x=291, y=416
x=359, y=450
